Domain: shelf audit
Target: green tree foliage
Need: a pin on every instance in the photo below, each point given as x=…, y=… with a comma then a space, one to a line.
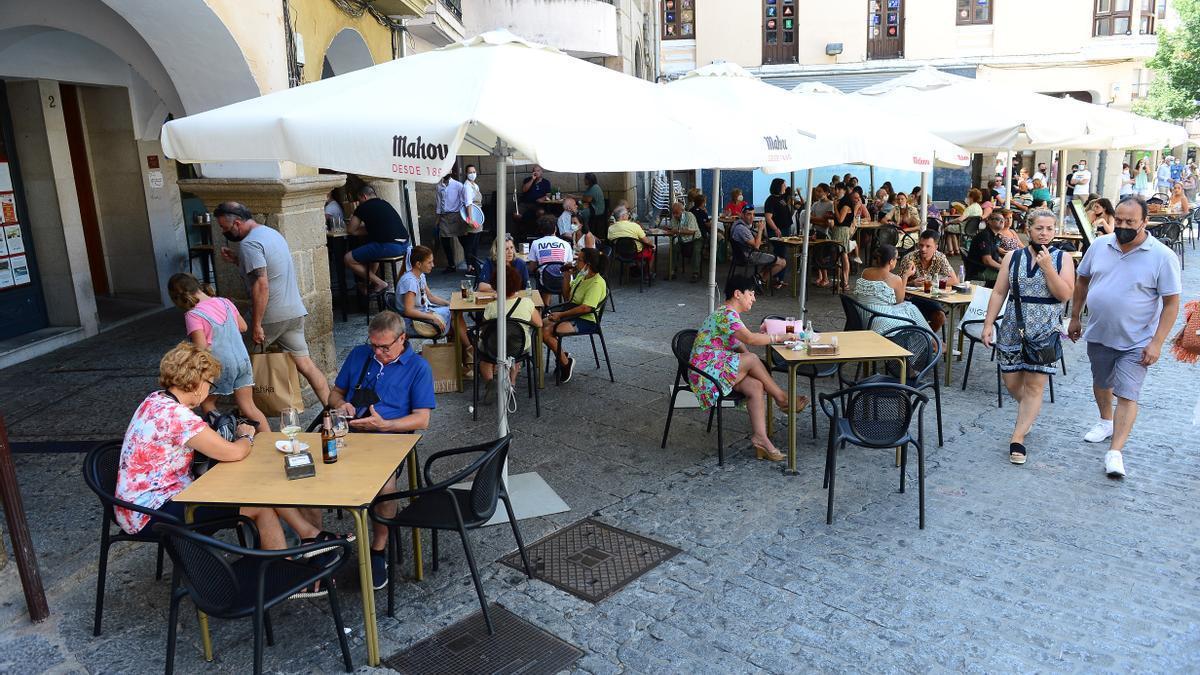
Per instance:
x=1176, y=64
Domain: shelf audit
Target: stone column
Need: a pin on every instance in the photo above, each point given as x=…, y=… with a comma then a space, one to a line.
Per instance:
x=295, y=207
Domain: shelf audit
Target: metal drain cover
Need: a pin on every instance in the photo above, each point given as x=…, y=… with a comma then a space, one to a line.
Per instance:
x=592, y=560
x=465, y=647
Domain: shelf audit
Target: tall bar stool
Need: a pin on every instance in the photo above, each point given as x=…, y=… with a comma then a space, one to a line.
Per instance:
x=397, y=265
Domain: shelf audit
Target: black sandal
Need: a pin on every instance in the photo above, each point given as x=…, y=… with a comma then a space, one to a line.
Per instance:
x=1016, y=453
x=322, y=536
x=314, y=590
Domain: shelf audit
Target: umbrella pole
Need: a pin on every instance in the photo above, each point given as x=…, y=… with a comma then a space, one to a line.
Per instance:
x=1062, y=189
x=1008, y=181
x=501, y=372
x=804, y=249
x=925, y=199
x=871, y=170
x=712, y=242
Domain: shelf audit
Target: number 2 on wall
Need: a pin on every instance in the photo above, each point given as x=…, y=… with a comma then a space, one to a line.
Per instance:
x=53, y=103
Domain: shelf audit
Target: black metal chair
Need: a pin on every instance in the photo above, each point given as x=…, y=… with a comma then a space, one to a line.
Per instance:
x=626, y=253
x=681, y=347
x=973, y=330
x=598, y=313
x=550, y=278
x=828, y=256
x=970, y=229
x=810, y=372
x=923, y=365
x=875, y=416
x=933, y=223
x=1170, y=233
x=483, y=336
x=441, y=507
x=436, y=332
x=866, y=316
x=100, y=468
x=235, y=582
x=738, y=259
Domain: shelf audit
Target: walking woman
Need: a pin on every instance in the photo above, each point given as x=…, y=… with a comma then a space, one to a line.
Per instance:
x=719, y=349
x=1045, y=279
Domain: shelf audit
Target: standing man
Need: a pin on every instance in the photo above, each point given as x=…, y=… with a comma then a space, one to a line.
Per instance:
x=1041, y=173
x=1081, y=180
x=534, y=191
x=387, y=237
x=1130, y=283
x=277, y=313
x=450, y=223
x=1162, y=177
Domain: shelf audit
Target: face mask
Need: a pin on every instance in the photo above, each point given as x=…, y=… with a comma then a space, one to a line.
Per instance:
x=1125, y=235
x=472, y=175
x=232, y=236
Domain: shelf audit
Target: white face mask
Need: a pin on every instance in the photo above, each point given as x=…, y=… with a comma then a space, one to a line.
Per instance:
x=472, y=175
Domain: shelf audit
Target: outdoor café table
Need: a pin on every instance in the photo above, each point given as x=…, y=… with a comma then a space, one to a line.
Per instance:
x=459, y=307
x=952, y=300
x=363, y=466
x=796, y=243
x=853, y=346
x=655, y=233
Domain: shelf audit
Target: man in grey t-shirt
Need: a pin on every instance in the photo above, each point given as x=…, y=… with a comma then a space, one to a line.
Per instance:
x=1131, y=284
x=277, y=313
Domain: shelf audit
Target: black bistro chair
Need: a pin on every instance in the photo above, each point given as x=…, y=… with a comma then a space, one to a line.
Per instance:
x=810, y=372
x=1170, y=233
x=861, y=317
x=923, y=365
x=598, y=313
x=236, y=582
x=550, y=278
x=739, y=260
x=828, y=256
x=875, y=416
x=681, y=347
x=442, y=507
x=483, y=336
x=428, y=330
x=973, y=330
x=100, y=473
x=625, y=252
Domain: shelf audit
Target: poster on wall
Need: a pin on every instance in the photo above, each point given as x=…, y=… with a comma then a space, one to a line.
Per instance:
x=5, y=178
x=6, y=277
x=12, y=237
x=8, y=207
x=20, y=270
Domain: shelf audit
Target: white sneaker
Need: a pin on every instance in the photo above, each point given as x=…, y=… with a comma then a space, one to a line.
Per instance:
x=1099, y=433
x=1114, y=465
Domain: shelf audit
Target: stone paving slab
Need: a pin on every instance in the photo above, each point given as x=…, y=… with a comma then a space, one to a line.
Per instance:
x=1046, y=567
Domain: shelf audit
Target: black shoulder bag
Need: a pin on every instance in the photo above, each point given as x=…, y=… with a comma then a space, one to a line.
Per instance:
x=1042, y=351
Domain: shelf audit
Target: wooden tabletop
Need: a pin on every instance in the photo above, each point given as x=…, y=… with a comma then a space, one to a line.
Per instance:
x=336, y=234
x=854, y=345
x=657, y=232
x=948, y=296
x=459, y=304
x=362, y=468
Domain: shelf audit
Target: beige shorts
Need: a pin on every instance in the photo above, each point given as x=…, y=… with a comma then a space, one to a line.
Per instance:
x=289, y=335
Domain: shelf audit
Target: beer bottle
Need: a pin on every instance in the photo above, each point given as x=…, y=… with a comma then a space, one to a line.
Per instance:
x=329, y=452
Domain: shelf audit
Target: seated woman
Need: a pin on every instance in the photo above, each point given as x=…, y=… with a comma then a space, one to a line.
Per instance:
x=928, y=262
x=879, y=289
x=1008, y=239
x=954, y=226
x=584, y=285
x=416, y=301
x=1102, y=215
x=488, y=274
x=1179, y=201
x=720, y=351
x=519, y=308
x=156, y=456
x=904, y=215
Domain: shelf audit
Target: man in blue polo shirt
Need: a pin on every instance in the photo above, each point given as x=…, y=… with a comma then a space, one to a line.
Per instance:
x=387, y=388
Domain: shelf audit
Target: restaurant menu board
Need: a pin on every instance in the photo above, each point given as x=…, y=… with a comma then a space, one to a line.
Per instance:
x=14, y=265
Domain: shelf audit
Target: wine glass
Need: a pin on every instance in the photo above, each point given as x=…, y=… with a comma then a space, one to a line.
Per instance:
x=341, y=427
x=289, y=424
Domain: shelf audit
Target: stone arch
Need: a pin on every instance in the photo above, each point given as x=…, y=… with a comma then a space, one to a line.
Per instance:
x=347, y=52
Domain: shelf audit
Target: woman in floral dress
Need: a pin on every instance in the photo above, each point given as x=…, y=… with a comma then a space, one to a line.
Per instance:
x=718, y=350
x=1046, y=278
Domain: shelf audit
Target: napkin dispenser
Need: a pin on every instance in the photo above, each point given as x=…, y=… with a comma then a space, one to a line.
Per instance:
x=299, y=465
x=822, y=349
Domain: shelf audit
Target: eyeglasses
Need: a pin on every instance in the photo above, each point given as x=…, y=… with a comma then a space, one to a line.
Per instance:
x=384, y=348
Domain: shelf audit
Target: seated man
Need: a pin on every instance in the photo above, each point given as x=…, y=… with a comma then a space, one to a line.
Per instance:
x=386, y=235
x=982, y=261
x=548, y=249
x=749, y=237
x=927, y=262
x=584, y=287
x=686, y=233
x=385, y=387
x=626, y=228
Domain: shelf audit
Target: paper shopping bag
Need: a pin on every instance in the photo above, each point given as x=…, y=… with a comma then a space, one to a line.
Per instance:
x=276, y=382
x=444, y=363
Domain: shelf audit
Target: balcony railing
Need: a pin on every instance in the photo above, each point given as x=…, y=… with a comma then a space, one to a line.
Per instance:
x=454, y=6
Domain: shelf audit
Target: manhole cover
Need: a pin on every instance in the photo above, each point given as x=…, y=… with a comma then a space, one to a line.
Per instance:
x=465, y=647
x=592, y=560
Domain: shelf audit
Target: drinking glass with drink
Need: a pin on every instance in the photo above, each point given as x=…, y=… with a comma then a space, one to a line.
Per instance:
x=289, y=424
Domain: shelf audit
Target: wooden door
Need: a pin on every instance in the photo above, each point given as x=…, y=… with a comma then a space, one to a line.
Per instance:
x=779, y=31
x=885, y=29
x=81, y=168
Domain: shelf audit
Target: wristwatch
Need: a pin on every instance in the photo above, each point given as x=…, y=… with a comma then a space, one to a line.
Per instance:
x=241, y=436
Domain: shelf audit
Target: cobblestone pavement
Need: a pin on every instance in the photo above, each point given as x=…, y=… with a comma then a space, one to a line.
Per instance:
x=1047, y=567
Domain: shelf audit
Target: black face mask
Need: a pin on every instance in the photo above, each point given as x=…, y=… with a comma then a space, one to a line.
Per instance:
x=1125, y=235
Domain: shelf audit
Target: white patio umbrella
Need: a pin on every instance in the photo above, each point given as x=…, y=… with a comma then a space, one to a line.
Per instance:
x=402, y=119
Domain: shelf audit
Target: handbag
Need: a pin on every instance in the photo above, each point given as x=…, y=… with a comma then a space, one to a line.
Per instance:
x=1042, y=351
x=276, y=382
x=1186, y=344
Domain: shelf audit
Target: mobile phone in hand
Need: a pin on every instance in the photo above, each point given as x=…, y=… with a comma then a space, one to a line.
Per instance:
x=1037, y=248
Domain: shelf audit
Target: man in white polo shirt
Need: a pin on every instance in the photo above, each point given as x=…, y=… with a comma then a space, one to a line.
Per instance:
x=1131, y=284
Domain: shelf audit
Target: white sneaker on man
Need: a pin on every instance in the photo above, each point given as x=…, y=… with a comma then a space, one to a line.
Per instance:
x=1114, y=464
x=1099, y=433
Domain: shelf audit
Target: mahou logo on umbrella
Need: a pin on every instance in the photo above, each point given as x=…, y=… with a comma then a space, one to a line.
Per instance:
x=416, y=149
